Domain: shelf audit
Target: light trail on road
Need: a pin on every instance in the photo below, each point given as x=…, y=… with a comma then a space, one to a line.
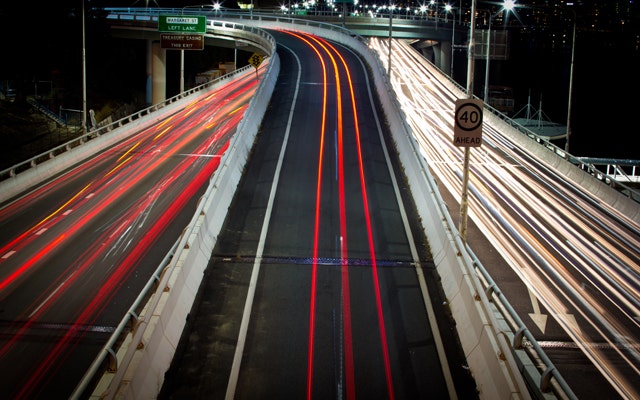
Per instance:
x=322, y=48
x=92, y=235
x=579, y=256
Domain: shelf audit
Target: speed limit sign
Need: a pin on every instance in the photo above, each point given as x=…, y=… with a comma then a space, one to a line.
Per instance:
x=467, y=129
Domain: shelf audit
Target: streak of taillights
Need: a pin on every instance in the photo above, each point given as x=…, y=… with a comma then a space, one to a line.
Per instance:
x=119, y=277
x=344, y=253
x=347, y=332
x=28, y=236
x=316, y=230
x=372, y=252
x=111, y=235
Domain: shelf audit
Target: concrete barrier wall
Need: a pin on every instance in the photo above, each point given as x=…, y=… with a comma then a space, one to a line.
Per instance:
x=165, y=316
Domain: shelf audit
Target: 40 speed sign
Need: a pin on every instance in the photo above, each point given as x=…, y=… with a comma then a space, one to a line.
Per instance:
x=467, y=129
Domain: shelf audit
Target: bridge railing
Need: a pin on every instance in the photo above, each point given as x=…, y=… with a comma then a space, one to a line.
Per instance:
x=614, y=173
x=12, y=173
x=619, y=174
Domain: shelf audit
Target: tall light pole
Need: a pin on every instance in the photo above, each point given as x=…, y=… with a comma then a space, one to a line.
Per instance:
x=391, y=7
x=573, y=52
x=84, y=76
x=507, y=6
x=488, y=63
x=448, y=8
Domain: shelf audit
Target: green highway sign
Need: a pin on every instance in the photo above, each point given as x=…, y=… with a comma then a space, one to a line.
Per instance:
x=182, y=23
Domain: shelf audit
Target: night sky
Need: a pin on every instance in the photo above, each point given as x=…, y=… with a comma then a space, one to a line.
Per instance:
x=42, y=41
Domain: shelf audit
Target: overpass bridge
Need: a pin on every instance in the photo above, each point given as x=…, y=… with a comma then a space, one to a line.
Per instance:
x=500, y=351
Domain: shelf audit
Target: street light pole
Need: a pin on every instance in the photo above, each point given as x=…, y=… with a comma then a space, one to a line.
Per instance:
x=486, y=69
x=573, y=52
x=449, y=9
x=453, y=41
x=390, y=37
x=84, y=76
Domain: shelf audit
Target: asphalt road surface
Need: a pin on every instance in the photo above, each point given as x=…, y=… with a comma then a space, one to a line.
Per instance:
x=321, y=284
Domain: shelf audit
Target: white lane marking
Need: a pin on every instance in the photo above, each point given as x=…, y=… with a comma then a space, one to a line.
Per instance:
x=244, y=325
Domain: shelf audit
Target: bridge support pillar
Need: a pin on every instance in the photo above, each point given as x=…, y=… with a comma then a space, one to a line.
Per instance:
x=156, y=72
x=442, y=57
x=149, y=73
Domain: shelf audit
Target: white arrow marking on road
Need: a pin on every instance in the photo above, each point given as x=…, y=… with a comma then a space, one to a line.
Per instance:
x=538, y=318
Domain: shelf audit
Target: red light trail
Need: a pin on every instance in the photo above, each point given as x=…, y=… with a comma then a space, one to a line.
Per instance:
x=316, y=44
x=188, y=146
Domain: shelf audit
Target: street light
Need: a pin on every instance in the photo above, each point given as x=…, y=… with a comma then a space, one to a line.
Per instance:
x=448, y=8
x=391, y=8
x=506, y=7
x=573, y=52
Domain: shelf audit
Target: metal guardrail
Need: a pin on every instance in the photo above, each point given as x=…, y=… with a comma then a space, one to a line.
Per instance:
x=615, y=172
x=16, y=169
x=107, y=358
x=551, y=383
x=621, y=170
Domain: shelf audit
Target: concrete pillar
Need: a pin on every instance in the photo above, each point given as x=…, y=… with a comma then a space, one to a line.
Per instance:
x=149, y=71
x=446, y=48
x=442, y=56
x=159, y=73
x=427, y=52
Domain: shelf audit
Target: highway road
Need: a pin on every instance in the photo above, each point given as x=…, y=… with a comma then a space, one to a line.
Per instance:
x=76, y=251
x=321, y=284
x=568, y=262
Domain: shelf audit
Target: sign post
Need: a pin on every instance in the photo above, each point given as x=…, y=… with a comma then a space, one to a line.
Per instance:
x=182, y=32
x=467, y=130
x=465, y=123
x=256, y=60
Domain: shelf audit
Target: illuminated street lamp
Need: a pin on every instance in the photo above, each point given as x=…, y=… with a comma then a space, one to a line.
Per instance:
x=449, y=9
x=84, y=75
x=507, y=6
x=573, y=52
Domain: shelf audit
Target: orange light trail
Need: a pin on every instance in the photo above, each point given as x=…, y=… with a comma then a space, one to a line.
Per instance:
x=318, y=44
x=372, y=252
